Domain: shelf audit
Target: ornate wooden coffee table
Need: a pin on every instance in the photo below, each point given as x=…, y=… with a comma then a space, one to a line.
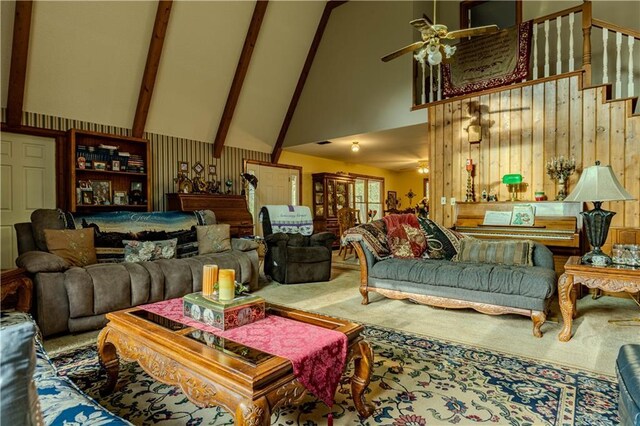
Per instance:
x=210, y=370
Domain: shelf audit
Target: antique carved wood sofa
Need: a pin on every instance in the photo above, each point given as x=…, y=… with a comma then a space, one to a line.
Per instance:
x=71, y=298
x=441, y=278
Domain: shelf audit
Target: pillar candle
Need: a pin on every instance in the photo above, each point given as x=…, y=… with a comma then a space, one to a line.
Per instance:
x=226, y=284
x=209, y=279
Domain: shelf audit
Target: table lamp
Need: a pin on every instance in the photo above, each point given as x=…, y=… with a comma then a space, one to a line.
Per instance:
x=597, y=184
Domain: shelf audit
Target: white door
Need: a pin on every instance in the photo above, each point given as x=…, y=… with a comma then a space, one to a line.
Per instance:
x=28, y=182
x=276, y=185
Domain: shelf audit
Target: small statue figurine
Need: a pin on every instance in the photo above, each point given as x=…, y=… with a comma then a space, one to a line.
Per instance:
x=484, y=195
x=228, y=183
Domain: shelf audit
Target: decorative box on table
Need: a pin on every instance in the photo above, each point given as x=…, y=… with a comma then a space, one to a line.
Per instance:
x=224, y=315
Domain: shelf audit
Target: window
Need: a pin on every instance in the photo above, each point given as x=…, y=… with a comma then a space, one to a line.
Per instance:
x=369, y=197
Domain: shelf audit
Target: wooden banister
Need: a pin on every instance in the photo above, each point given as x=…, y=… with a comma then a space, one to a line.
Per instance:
x=559, y=14
x=586, y=42
x=615, y=28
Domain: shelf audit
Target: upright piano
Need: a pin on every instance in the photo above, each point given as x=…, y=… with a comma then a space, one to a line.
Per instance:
x=557, y=225
x=231, y=209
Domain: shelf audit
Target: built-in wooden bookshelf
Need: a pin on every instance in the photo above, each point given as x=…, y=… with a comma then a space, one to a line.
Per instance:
x=108, y=172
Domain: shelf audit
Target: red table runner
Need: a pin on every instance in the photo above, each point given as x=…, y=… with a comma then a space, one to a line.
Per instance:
x=318, y=355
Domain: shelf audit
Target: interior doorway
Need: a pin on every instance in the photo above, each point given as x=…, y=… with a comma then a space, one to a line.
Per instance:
x=277, y=184
x=28, y=182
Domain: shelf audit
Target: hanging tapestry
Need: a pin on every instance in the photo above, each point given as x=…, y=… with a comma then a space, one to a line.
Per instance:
x=490, y=61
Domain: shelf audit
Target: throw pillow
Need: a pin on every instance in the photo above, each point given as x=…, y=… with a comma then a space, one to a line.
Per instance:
x=145, y=251
x=404, y=235
x=42, y=219
x=442, y=243
x=506, y=252
x=73, y=245
x=213, y=238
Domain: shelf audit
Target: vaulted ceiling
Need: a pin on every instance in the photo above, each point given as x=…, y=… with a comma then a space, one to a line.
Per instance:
x=86, y=61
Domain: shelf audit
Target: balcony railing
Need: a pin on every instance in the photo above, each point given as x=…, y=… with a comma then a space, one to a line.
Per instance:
x=555, y=40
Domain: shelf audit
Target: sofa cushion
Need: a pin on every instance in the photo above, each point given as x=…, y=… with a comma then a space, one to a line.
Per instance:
x=18, y=399
x=529, y=281
x=501, y=252
x=73, y=245
x=213, y=238
x=442, y=243
x=404, y=236
x=628, y=373
x=145, y=251
x=42, y=219
x=41, y=261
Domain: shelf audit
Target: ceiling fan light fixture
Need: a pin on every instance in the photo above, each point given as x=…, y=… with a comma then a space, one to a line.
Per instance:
x=355, y=147
x=434, y=58
x=422, y=167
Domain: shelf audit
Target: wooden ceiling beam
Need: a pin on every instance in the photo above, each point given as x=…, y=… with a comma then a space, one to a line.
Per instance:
x=238, y=78
x=313, y=49
x=151, y=68
x=19, y=56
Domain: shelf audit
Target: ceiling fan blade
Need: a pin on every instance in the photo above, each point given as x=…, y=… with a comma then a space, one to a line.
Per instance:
x=410, y=48
x=470, y=32
x=420, y=24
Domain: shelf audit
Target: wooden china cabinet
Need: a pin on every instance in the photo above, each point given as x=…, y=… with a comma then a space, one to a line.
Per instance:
x=331, y=192
x=108, y=172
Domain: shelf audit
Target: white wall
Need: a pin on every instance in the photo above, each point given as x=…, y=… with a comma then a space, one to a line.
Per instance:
x=349, y=89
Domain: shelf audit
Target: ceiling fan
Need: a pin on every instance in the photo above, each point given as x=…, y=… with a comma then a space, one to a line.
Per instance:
x=430, y=48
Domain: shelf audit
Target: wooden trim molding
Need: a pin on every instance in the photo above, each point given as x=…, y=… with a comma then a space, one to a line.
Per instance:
x=151, y=68
x=313, y=49
x=19, y=56
x=238, y=79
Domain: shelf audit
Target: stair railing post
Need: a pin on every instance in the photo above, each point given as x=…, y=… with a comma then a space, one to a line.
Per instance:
x=586, y=42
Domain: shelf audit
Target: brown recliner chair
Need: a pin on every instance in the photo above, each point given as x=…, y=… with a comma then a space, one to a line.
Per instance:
x=293, y=257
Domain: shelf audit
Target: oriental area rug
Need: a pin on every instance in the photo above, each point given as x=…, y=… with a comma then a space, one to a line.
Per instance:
x=416, y=381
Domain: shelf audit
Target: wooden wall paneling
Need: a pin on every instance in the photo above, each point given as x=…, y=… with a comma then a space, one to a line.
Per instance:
x=589, y=127
x=515, y=142
x=550, y=186
x=494, y=146
x=575, y=128
x=603, y=124
x=504, y=159
x=484, y=179
x=439, y=156
x=459, y=141
x=562, y=118
x=448, y=165
x=474, y=153
x=538, y=172
x=526, y=142
x=632, y=171
x=616, y=155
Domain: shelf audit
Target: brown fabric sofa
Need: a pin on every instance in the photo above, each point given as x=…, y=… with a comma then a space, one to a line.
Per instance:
x=74, y=299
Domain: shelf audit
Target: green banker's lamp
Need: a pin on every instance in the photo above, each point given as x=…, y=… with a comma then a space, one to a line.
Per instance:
x=598, y=184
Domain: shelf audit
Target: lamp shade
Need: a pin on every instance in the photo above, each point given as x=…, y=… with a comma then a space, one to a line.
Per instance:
x=598, y=183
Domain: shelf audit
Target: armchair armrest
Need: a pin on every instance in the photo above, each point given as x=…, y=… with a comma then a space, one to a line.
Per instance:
x=41, y=261
x=276, y=238
x=243, y=244
x=323, y=239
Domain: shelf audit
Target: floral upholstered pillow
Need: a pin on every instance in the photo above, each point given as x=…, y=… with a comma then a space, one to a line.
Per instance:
x=144, y=251
x=213, y=238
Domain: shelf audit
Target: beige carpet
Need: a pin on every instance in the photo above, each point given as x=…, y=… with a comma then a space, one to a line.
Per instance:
x=594, y=346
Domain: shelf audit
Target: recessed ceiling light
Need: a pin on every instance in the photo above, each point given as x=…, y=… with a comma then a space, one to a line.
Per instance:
x=355, y=147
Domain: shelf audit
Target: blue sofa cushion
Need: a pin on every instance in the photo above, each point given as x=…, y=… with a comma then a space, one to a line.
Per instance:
x=18, y=398
x=628, y=372
x=529, y=281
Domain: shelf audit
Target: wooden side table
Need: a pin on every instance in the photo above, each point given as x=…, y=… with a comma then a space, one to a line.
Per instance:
x=610, y=278
x=16, y=281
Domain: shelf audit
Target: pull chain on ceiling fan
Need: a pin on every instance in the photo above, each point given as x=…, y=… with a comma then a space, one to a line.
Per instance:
x=430, y=48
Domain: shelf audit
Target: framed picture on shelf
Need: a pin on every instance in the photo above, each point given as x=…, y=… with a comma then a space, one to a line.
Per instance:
x=212, y=169
x=87, y=197
x=101, y=192
x=183, y=166
x=100, y=165
x=120, y=198
x=84, y=185
x=115, y=165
